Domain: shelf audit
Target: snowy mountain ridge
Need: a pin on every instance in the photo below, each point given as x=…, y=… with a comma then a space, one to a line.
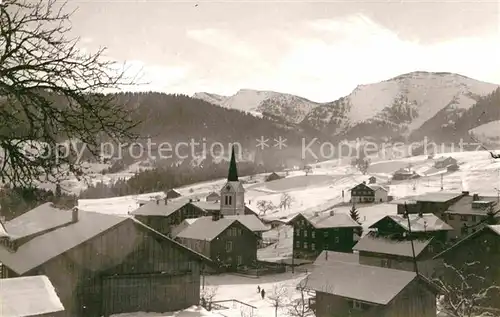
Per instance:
x=408, y=104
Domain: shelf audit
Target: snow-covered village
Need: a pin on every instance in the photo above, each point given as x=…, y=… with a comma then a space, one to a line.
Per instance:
x=198, y=190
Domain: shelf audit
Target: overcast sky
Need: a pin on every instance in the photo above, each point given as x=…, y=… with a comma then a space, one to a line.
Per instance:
x=318, y=50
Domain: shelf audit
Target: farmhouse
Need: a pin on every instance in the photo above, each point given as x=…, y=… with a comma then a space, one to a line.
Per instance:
x=421, y=225
x=330, y=231
x=404, y=173
x=164, y=215
x=102, y=264
x=443, y=162
x=436, y=203
x=452, y=168
x=468, y=214
x=482, y=248
x=226, y=241
x=31, y=296
x=272, y=177
x=372, y=180
x=397, y=253
x=350, y=289
x=363, y=193
x=213, y=197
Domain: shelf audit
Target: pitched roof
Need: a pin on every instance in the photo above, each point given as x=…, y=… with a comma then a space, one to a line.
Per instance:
x=213, y=194
x=207, y=205
x=426, y=222
x=232, y=175
x=369, y=284
x=158, y=208
x=252, y=222
x=376, y=187
x=28, y=296
x=44, y=247
x=326, y=220
x=205, y=228
x=492, y=228
x=429, y=197
x=464, y=206
x=371, y=242
x=328, y=257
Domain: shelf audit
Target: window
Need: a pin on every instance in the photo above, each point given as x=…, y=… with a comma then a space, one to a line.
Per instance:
x=305, y=233
x=297, y=232
x=450, y=216
x=430, y=248
x=325, y=234
x=473, y=218
x=384, y=263
x=302, y=232
x=337, y=240
x=297, y=244
x=305, y=245
x=239, y=259
x=313, y=246
x=240, y=232
x=313, y=234
x=356, y=305
x=464, y=229
x=229, y=246
x=463, y=218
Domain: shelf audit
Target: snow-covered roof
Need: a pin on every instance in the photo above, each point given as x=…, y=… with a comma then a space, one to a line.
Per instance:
x=3, y=231
x=327, y=257
x=28, y=296
x=371, y=242
x=159, y=208
x=329, y=219
x=369, y=284
x=418, y=223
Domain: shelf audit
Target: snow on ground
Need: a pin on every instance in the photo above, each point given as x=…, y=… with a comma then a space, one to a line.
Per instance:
x=488, y=131
x=190, y=312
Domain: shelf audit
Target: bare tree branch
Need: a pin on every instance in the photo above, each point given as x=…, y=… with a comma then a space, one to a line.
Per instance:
x=52, y=91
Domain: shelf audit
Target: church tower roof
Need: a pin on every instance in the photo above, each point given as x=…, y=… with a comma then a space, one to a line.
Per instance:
x=233, y=171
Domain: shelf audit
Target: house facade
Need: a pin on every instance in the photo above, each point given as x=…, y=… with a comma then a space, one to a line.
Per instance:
x=347, y=289
x=102, y=264
x=436, y=203
x=213, y=197
x=330, y=231
x=228, y=242
x=468, y=214
x=371, y=193
x=172, y=194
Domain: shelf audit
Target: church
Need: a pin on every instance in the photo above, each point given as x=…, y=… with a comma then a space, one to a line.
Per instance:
x=165, y=215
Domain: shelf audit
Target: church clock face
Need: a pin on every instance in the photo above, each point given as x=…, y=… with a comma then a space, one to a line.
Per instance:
x=228, y=188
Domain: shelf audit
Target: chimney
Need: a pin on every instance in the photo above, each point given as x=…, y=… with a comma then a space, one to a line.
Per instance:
x=157, y=201
x=364, y=182
x=165, y=200
x=316, y=214
x=475, y=197
x=216, y=215
x=74, y=214
x=190, y=200
x=332, y=212
x=465, y=193
x=326, y=255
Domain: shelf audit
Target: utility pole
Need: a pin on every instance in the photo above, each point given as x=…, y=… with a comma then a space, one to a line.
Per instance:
x=442, y=182
x=407, y=214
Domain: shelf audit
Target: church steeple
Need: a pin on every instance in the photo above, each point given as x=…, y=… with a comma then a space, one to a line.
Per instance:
x=233, y=171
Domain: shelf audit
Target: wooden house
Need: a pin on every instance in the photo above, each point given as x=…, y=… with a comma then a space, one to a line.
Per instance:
x=452, y=168
x=328, y=231
x=226, y=241
x=404, y=174
x=482, y=248
x=370, y=193
x=347, y=289
x=421, y=225
x=212, y=197
x=273, y=177
x=31, y=296
x=436, y=203
x=163, y=215
x=400, y=253
x=444, y=162
x=372, y=180
x=172, y=193
x=102, y=264
x=467, y=214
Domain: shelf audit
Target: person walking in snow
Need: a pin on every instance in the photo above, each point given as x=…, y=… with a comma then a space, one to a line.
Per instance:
x=258, y=289
x=263, y=293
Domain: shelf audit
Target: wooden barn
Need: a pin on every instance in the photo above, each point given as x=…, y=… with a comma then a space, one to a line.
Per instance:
x=172, y=193
x=327, y=231
x=226, y=241
x=273, y=177
x=213, y=197
x=31, y=296
x=102, y=264
x=349, y=289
